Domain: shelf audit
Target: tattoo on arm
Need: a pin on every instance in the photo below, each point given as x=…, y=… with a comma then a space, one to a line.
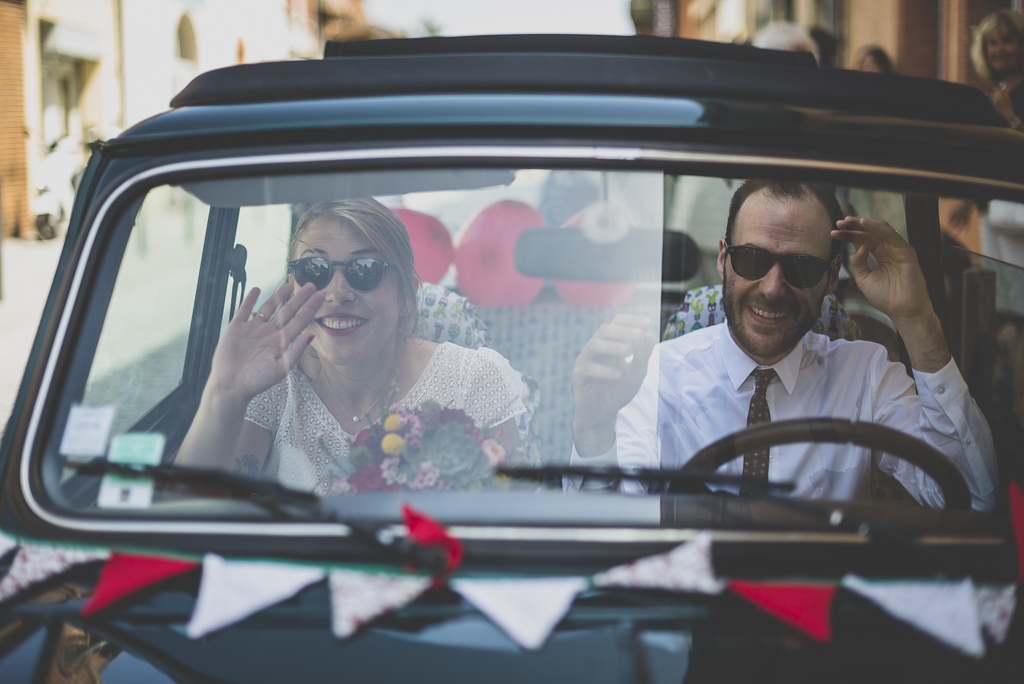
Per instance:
x=247, y=465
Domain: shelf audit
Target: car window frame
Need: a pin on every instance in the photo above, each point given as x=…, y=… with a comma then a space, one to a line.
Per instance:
x=31, y=492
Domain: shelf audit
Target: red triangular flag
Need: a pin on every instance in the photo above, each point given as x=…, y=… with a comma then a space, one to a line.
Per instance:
x=804, y=606
x=125, y=574
x=1017, y=516
x=426, y=531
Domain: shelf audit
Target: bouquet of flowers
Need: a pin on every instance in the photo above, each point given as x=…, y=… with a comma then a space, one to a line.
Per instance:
x=428, y=448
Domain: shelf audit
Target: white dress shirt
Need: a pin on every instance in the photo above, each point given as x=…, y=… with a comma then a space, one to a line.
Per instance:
x=698, y=389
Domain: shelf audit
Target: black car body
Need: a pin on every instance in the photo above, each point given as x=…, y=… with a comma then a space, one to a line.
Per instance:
x=465, y=115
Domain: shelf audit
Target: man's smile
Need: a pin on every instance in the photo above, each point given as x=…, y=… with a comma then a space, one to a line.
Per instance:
x=768, y=314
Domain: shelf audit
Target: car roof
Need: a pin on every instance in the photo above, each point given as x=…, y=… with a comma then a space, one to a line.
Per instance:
x=627, y=65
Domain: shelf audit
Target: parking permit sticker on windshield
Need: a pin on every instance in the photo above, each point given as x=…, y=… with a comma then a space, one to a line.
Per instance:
x=86, y=432
x=136, y=448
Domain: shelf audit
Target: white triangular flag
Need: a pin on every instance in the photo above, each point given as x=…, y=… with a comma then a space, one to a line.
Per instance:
x=231, y=591
x=358, y=597
x=34, y=564
x=7, y=544
x=525, y=609
x=684, y=568
x=947, y=611
x=995, y=609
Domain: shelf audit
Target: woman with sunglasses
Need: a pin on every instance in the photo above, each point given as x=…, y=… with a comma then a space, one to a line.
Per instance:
x=327, y=354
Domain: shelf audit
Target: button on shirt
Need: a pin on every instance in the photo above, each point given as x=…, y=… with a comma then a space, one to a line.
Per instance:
x=698, y=389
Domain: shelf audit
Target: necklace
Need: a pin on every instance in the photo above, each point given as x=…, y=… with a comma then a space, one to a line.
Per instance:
x=352, y=417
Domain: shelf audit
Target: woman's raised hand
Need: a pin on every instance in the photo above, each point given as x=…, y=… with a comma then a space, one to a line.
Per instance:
x=259, y=348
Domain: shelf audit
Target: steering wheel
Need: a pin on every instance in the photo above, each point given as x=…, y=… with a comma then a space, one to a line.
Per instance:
x=839, y=431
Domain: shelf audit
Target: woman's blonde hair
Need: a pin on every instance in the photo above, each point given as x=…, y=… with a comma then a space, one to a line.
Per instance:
x=1001, y=23
x=386, y=232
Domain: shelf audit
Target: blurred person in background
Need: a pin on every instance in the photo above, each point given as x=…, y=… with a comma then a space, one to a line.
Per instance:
x=826, y=43
x=784, y=35
x=997, y=56
x=875, y=60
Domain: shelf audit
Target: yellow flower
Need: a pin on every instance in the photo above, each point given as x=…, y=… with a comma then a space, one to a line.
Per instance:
x=392, y=423
x=392, y=444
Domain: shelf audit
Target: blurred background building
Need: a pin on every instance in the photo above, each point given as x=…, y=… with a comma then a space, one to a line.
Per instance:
x=84, y=70
x=927, y=38
x=79, y=71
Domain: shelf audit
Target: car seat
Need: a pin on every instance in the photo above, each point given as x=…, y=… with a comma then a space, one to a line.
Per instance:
x=446, y=316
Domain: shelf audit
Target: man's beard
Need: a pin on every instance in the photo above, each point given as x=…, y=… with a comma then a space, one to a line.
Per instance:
x=779, y=342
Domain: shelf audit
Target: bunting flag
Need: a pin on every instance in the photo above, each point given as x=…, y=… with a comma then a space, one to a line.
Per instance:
x=358, y=597
x=34, y=564
x=7, y=544
x=426, y=531
x=685, y=568
x=231, y=591
x=125, y=574
x=1017, y=516
x=525, y=609
x=995, y=610
x=805, y=606
x=947, y=611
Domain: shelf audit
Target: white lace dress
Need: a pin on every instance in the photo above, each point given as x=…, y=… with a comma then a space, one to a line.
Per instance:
x=306, y=438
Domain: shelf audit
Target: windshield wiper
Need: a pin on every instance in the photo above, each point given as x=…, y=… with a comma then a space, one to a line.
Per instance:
x=278, y=499
x=680, y=477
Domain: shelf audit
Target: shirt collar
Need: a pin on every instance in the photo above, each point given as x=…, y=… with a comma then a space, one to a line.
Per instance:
x=739, y=366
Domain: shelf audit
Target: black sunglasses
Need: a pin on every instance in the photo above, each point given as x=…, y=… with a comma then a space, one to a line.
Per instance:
x=363, y=275
x=799, y=270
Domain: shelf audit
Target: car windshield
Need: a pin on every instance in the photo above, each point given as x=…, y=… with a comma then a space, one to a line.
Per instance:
x=418, y=331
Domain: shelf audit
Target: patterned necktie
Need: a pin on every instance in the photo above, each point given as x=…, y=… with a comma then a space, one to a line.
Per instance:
x=755, y=464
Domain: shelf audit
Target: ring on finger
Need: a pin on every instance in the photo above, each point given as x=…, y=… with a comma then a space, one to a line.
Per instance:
x=261, y=315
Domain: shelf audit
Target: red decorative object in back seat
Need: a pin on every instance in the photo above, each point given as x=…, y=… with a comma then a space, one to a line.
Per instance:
x=484, y=257
x=431, y=243
x=602, y=223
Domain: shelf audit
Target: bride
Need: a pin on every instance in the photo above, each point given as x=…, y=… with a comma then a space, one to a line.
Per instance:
x=292, y=382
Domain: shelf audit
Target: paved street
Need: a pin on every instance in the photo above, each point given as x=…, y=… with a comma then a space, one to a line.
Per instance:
x=28, y=268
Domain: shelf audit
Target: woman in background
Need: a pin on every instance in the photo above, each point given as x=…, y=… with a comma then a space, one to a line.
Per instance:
x=998, y=58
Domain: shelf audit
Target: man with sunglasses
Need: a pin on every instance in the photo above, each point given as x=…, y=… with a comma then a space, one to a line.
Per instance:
x=778, y=260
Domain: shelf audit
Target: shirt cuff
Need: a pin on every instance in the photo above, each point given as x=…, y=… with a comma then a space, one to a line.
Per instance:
x=943, y=388
x=609, y=458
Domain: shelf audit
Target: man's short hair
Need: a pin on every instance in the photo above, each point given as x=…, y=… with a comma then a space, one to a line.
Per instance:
x=788, y=190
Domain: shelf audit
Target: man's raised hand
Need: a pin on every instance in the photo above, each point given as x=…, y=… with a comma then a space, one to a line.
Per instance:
x=603, y=380
x=897, y=288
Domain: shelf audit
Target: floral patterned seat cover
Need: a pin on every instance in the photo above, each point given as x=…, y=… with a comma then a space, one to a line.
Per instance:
x=703, y=307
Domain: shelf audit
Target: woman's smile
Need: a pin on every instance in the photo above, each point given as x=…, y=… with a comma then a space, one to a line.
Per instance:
x=340, y=325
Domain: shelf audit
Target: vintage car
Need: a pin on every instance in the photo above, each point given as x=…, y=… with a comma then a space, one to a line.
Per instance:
x=547, y=185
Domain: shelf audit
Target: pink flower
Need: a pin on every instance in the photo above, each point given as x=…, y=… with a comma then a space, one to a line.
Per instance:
x=494, y=452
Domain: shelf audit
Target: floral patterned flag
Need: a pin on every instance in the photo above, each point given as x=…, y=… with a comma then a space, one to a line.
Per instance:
x=358, y=597
x=996, y=606
x=35, y=564
x=231, y=591
x=685, y=568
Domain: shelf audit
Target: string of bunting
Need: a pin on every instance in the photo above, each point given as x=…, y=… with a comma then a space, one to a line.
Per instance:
x=956, y=613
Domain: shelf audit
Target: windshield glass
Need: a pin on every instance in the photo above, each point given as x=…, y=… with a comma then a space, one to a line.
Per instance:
x=414, y=331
